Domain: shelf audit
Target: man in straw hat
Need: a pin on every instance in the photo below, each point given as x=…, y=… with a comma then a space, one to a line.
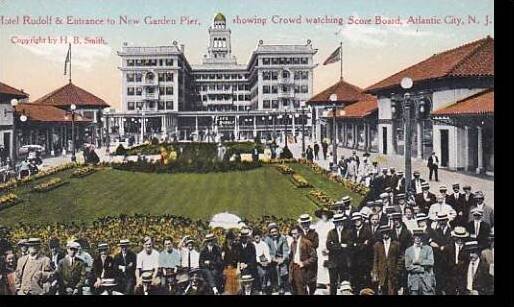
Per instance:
x=323, y=226
x=24, y=249
x=302, y=258
x=190, y=258
x=362, y=252
x=425, y=199
x=440, y=207
x=475, y=278
x=456, y=200
x=32, y=270
x=125, y=266
x=478, y=229
x=262, y=252
x=248, y=256
x=72, y=271
x=416, y=183
x=386, y=256
x=211, y=262
x=103, y=267
x=345, y=288
x=487, y=212
x=419, y=261
x=455, y=258
x=147, y=261
x=309, y=232
x=279, y=253
x=339, y=244
x=246, y=286
x=439, y=236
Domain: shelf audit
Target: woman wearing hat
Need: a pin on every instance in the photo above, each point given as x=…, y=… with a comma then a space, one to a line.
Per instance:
x=323, y=226
x=419, y=262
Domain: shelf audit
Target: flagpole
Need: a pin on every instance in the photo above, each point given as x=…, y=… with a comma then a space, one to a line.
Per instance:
x=341, y=56
x=70, y=62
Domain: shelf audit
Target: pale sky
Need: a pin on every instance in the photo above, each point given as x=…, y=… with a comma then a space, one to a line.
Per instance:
x=370, y=52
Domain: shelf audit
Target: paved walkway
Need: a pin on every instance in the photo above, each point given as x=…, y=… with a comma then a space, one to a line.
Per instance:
x=446, y=177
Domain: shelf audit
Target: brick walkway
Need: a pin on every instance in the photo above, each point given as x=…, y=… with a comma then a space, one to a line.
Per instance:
x=446, y=177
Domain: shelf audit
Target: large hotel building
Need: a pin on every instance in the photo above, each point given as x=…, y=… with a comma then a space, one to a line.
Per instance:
x=164, y=95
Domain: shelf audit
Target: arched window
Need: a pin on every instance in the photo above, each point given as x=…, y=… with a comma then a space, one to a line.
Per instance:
x=224, y=42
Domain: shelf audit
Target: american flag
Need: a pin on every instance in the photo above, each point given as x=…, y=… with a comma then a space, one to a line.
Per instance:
x=334, y=57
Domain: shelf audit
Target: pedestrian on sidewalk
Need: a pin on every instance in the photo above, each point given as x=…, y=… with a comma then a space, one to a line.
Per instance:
x=316, y=151
x=433, y=165
x=309, y=153
x=351, y=169
x=324, y=146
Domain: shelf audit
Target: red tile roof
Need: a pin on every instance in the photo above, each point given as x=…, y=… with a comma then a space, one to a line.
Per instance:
x=345, y=92
x=8, y=90
x=359, y=109
x=46, y=113
x=473, y=59
x=479, y=104
x=72, y=94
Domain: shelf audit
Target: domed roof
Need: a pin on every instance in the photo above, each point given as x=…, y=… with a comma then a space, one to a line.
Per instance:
x=220, y=17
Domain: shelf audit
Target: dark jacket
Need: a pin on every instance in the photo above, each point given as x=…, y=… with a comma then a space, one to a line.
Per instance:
x=431, y=163
x=129, y=263
x=483, y=236
x=248, y=255
x=71, y=276
x=362, y=247
x=307, y=256
x=214, y=257
x=338, y=255
x=386, y=267
x=424, y=205
x=108, y=266
x=405, y=238
x=482, y=281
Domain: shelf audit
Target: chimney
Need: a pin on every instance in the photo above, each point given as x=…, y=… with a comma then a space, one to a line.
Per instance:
x=182, y=47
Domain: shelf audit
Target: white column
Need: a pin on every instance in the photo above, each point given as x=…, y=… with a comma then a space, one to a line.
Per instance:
x=466, y=147
x=196, y=127
x=480, y=151
x=419, y=141
x=163, y=124
x=294, y=126
x=254, y=126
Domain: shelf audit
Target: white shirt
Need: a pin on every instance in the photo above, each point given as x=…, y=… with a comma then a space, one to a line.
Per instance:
x=339, y=230
x=471, y=274
x=387, y=243
x=417, y=184
x=477, y=227
x=417, y=251
x=443, y=208
x=147, y=262
x=195, y=258
x=262, y=248
x=297, y=253
x=457, y=251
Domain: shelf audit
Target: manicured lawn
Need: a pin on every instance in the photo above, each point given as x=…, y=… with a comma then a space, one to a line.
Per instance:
x=250, y=194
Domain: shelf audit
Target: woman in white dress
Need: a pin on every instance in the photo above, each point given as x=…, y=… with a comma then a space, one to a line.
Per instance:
x=323, y=226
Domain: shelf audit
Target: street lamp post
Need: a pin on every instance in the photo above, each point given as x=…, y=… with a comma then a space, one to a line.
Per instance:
x=108, y=134
x=73, y=107
x=406, y=84
x=333, y=98
x=23, y=118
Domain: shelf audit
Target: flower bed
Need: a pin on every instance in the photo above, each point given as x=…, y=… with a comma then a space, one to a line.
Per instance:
x=8, y=200
x=320, y=198
x=13, y=183
x=299, y=181
x=49, y=185
x=190, y=166
x=83, y=172
x=284, y=169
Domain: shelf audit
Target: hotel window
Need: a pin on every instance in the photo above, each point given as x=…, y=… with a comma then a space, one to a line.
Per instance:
x=274, y=75
x=130, y=77
x=296, y=61
x=304, y=89
x=130, y=91
x=160, y=105
x=265, y=89
x=265, y=61
x=169, y=62
x=266, y=75
x=160, y=77
x=161, y=90
x=274, y=89
x=169, y=105
x=204, y=97
x=285, y=74
x=297, y=75
x=219, y=87
x=296, y=88
x=227, y=87
x=266, y=104
x=169, y=91
x=160, y=62
x=296, y=103
x=139, y=77
x=285, y=103
x=130, y=62
x=152, y=104
x=139, y=91
x=305, y=61
x=139, y=104
x=247, y=97
x=274, y=104
x=274, y=61
x=204, y=88
x=247, y=88
x=241, y=97
x=130, y=105
x=305, y=75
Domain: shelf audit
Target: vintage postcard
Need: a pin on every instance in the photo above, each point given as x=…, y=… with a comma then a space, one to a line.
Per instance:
x=232, y=147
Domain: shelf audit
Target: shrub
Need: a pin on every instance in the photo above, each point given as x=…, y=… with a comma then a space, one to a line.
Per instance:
x=286, y=153
x=120, y=150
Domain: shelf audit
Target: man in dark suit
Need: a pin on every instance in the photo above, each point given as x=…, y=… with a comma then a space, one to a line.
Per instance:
x=339, y=244
x=310, y=234
x=377, y=209
x=71, y=271
x=362, y=253
x=478, y=229
x=455, y=257
x=475, y=278
x=425, y=199
x=399, y=183
x=403, y=236
x=439, y=238
x=386, y=256
x=433, y=165
x=248, y=258
x=374, y=225
x=211, y=262
x=469, y=200
x=103, y=268
x=302, y=259
x=56, y=254
x=416, y=182
x=487, y=212
x=125, y=266
x=456, y=200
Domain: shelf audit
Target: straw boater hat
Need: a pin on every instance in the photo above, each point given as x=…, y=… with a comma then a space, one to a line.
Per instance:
x=384, y=229
x=22, y=242
x=73, y=245
x=443, y=188
x=477, y=211
x=108, y=282
x=455, y=186
x=356, y=216
x=319, y=212
x=365, y=212
x=189, y=240
x=399, y=173
x=441, y=217
x=400, y=196
x=305, y=218
x=396, y=215
x=147, y=276
x=384, y=195
x=384, y=170
x=33, y=242
x=272, y=225
x=346, y=286
x=425, y=185
x=418, y=232
x=346, y=199
x=103, y=246
x=421, y=217
x=246, y=279
x=388, y=190
x=378, y=203
x=209, y=237
x=478, y=195
x=182, y=275
x=245, y=232
x=416, y=173
x=471, y=246
x=124, y=242
x=367, y=291
x=460, y=232
x=339, y=217
x=370, y=203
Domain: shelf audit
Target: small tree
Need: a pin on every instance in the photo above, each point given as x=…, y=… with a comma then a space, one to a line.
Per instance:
x=120, y=150
x=286, y=153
